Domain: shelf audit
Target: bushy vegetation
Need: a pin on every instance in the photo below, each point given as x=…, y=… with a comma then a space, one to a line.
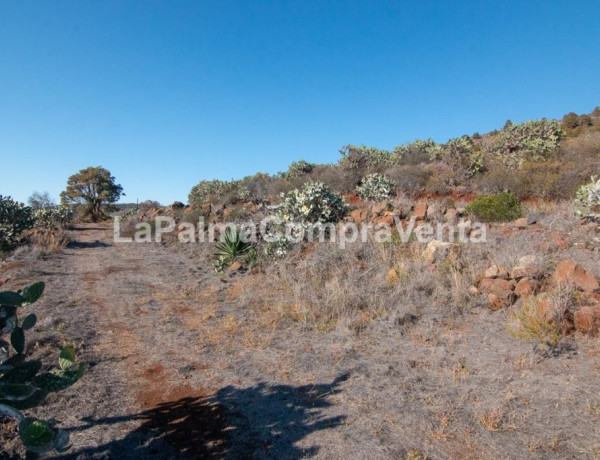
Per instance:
x=364, y=158
x=207, y=189
x=21, y=383
x=376, y=187
x=299, y=168
x=418, y=151
x=587, y=201
x=540, y=158
x=54, y=217
x=313, y=203
x=500, y=207
x=529, y=141
x=15, y=218
x=461, y=155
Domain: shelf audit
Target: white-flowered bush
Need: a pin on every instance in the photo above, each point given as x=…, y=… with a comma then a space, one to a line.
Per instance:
x=277, y=246
x=587, y=200
x=312, y=204
x=53, y=217
x=376, y=187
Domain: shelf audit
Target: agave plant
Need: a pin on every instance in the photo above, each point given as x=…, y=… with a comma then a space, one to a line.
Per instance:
x=231, y=248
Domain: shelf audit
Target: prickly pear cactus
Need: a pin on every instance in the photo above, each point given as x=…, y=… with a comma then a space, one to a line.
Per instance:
x=15, y=218
x=20, y=380
x=587, y=201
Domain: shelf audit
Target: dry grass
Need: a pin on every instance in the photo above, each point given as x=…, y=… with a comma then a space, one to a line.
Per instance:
x=49, y=241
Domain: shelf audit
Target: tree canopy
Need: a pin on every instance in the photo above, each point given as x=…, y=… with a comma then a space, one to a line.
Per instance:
x=92, y=188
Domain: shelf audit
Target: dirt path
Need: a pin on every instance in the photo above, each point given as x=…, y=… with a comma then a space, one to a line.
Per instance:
x=179, y=365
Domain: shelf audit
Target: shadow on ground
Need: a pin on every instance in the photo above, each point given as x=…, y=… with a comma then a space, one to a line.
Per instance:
x=263, y=421
x=86, y=244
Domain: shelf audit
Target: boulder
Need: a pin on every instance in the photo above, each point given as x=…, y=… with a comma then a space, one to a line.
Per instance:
x=359, y=215
x=525, y=287
x=451, y=216
x=496, y=303
x=496, y=272
x=525, y=268
x=501, y=288
x=437, y=251
x=384, y=220
x=499, y=292
x=570, y=272
x=379, y=208
x=558, y=240
x=587, y=319
x=520, y=223
x=535, y=217
x=420, y=211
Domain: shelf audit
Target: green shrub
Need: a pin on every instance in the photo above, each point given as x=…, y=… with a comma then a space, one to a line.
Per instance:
x=587, y=201
x=15, y=218
x=299, y=168
x=54, y=217
x=210, y=189
x=313, y=203
x=418, y=151
x=530, y=141
x=462, y=155
x=376, y=187
x=364, y=158
x=496, y=208
x=21, y=384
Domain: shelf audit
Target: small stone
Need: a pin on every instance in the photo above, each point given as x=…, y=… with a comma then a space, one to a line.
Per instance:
x=392, y=276
x=235, y=266
x=520, y=223
x=473, y=290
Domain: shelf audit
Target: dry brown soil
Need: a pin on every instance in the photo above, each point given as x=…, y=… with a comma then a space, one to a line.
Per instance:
x=179, y=367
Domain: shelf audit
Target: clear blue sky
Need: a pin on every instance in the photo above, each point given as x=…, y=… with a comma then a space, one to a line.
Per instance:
x=166, y=93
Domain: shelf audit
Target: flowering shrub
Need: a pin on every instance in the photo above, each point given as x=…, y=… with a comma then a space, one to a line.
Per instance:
x=587, y=200
x=314, y=203
x=50, y=218
x=375, y=187
x=277, y=246
x=15, y=218
x=529, y=141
